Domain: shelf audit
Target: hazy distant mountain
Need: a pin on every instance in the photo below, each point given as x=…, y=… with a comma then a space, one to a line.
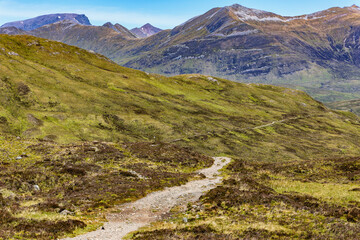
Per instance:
x=145, y=31
x=33, y=23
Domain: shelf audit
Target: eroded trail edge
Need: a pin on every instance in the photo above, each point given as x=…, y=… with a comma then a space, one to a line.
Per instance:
x=151, y=208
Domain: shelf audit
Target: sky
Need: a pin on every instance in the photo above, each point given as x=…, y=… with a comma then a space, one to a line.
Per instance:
x=161, y=13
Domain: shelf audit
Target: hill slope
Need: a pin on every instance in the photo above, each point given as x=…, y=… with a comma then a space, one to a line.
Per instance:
x=52, y=93
x=51, y=90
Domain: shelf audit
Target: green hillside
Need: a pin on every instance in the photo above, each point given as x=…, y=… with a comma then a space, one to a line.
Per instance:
x=57, y=92
x=77, y=119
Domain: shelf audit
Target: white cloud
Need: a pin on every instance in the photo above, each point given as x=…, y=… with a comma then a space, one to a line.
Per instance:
x=14, y=11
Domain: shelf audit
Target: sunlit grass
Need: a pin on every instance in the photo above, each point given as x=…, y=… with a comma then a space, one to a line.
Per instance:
x=330, y=192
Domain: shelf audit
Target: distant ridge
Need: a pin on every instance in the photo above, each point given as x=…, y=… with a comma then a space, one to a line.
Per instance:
x=34, y=23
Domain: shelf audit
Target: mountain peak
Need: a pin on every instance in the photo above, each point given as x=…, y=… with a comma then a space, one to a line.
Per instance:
x=250, y=14
x=108, y=24
x=34, y=23
x=148, y=25
x=246, y=9
x=120, y=29
x=146, y=30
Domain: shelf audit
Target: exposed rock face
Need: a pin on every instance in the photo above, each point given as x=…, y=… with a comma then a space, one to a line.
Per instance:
x=34, y=23
x=145, y=31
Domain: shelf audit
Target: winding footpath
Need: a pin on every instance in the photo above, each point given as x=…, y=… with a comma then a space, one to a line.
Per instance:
x=151, y=208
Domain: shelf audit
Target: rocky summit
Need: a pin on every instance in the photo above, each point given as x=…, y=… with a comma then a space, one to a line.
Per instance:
x=145, y=31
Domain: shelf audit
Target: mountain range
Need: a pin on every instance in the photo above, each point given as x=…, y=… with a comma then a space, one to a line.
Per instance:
x=318, y=52
x=72, y=19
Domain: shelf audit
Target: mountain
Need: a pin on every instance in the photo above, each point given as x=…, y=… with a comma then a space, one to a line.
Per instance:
x=120, y=29
x=317, y=52
x=83, y=134
x=145, y=31
x=34, y=23
x=12, y=31
x=89, y=37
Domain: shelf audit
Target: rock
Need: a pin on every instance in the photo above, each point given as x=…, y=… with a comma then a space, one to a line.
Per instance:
x=33, y=120
x=50, y=138
x=185, y=220
x=36, y=188
x=13, y=54
x=66, y=212
x=102, y=228
x=211, y=79
x=22, y=156
x=94, y=149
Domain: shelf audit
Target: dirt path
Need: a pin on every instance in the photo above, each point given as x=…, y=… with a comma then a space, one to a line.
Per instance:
x=152, y=207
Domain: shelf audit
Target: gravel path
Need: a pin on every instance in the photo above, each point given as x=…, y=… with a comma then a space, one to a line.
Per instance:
x=155, y=205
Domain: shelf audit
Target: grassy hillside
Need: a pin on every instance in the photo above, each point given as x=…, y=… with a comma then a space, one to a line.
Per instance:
x=61, y=107
x=56, y=92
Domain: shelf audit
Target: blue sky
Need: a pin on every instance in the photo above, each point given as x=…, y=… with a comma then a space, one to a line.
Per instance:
x=161, y=13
